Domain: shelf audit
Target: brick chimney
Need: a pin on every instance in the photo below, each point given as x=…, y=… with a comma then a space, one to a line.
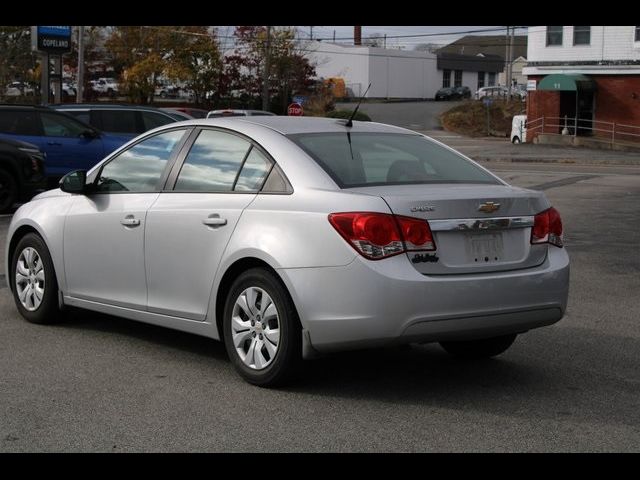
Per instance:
x=357, y=35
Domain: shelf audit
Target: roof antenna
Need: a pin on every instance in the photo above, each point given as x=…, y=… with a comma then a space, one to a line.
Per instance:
x=355, y=110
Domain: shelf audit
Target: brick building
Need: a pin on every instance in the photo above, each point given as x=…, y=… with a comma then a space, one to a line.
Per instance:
x=588, y=74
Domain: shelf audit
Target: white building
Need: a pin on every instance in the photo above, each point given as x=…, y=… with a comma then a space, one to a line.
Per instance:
x=392, y=73
x=473, y=71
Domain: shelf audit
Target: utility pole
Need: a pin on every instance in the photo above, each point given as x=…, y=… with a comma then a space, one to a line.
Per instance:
x=506, y=57
x=265, y=76
x=311, y=32
x=385, y=40
x=513, y=29
x=80, y=78
x=334, y=36
x=508, y=63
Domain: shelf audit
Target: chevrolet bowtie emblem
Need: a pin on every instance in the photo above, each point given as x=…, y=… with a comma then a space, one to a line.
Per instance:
x=488, y=207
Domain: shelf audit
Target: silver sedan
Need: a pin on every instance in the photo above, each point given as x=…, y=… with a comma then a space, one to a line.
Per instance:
x=289, y=238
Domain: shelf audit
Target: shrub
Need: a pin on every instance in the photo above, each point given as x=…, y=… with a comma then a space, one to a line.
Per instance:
x=470, y=118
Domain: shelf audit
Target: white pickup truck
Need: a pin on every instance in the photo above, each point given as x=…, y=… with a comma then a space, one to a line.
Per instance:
x=105, y=86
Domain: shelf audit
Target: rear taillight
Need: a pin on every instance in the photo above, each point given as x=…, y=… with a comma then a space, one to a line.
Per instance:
x=380, y=235
x=547, y=228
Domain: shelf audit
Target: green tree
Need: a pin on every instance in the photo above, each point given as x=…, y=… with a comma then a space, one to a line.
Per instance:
x=17, y=62
x=289, y=72
x=145, y=54
x=197, y=62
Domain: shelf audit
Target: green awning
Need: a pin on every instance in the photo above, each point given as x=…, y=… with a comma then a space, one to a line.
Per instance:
x=561, y=82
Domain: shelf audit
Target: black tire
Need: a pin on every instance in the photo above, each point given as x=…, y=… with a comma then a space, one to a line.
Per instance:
x=48, y=311
x=287, y=361
x=8, y=190
x=485, y=348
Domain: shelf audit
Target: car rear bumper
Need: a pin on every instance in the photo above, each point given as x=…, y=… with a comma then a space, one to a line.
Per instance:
x=376, y=303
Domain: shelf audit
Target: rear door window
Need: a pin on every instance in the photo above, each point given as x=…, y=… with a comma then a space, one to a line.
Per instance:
x=116, y=121
x=153, y=120
x=213, y=162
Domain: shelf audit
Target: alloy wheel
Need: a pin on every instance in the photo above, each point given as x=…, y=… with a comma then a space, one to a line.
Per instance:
x=255, y=328
x=30, y=279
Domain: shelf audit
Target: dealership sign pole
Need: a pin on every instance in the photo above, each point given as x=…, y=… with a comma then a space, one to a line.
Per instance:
x=52, y=42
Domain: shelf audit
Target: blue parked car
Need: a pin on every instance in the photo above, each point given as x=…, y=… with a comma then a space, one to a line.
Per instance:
x=129, y=120
x=68, y=143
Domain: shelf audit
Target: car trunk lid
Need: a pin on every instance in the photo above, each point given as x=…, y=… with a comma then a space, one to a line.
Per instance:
x=476, y=228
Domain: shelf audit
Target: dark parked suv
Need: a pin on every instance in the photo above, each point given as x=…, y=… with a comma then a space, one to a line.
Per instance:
x=21, y=172
x=463, y=92
x=131, y=120
x=68, y=143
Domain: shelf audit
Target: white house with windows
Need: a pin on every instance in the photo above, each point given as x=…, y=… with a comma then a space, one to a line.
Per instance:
x=473, y=71
x=587, y=73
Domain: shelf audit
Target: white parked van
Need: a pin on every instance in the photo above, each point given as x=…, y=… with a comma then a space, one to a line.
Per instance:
x=519, y=129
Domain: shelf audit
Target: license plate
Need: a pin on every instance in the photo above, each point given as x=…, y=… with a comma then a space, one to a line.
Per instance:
x=485, y=247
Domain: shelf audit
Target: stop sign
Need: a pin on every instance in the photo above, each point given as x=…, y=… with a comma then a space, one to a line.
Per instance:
x=294, y=110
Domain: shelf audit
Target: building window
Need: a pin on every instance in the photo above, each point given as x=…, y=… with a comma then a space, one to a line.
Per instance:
x=638, y=33
x=581, y=35
x=457, y=78
x=554, y=36
x=480, y=80
x=446, y=78
x=492, y=79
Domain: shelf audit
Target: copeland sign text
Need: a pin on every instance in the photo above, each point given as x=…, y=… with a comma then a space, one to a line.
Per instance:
x=53, y=39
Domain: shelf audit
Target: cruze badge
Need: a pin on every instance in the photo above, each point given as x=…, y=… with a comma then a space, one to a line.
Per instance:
x=423, y=208
x=488, y=207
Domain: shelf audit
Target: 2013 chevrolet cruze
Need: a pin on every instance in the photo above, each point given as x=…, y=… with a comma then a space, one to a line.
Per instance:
x=289, y=237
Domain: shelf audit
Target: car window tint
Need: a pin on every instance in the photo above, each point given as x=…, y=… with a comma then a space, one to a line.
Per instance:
x=256, y=167
x=139, y=168
x=212, y=163
x=81, y=115
x=19, y=122
x=153, y=120
x=61, y=126
x=117, y=121
x=386, y=158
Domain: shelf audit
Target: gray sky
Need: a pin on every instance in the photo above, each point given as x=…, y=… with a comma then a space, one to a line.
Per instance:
x=432, y=34
x=437, y=34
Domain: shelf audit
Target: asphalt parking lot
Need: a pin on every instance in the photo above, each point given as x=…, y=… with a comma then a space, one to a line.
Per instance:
x=99, y=383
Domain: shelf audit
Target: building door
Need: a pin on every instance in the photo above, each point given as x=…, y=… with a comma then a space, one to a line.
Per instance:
x=585, y=113
x=567, y=111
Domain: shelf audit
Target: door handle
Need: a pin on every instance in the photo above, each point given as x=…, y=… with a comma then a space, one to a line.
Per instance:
x=214, y=220
x=130, y=221
x=54, y=143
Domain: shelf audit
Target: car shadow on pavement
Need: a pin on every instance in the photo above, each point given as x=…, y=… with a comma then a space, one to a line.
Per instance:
x=557, y=373
x=166, y=337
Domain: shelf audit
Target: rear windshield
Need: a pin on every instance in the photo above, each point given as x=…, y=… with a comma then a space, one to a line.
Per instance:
x=361, y=159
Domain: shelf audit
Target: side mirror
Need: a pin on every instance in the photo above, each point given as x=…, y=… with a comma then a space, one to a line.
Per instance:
x=91, y=134
x=74, y=182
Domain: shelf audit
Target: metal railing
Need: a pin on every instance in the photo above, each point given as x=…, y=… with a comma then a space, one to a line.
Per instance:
x=574, y=126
